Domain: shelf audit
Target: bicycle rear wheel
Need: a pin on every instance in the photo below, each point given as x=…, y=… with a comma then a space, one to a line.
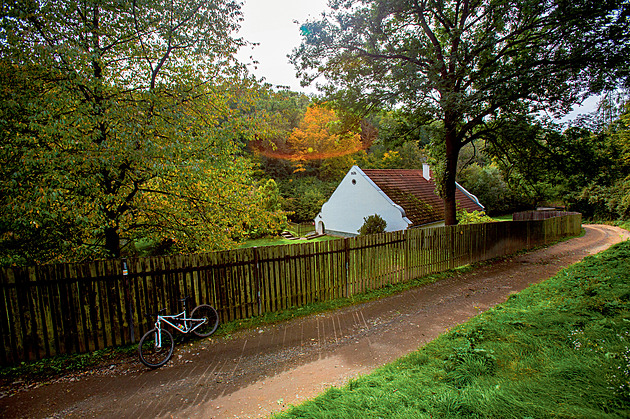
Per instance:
x=150, y=353
x=205, y=311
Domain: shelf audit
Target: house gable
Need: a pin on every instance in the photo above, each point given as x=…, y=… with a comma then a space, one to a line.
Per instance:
x=356, y=198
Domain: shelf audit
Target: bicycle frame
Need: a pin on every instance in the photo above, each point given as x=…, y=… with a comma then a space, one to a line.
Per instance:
x=180, y=320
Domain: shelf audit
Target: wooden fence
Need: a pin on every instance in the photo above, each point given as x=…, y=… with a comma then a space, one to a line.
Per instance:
x=59, y=309
x=539, y=215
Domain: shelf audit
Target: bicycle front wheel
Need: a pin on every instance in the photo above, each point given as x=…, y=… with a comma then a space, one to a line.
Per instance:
x=151, y=353
x=207, y=312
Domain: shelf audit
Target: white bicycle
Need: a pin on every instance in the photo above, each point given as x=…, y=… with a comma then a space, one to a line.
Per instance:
x=156, y=346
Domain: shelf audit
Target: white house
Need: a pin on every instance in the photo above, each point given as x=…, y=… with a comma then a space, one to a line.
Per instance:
x=403, y=198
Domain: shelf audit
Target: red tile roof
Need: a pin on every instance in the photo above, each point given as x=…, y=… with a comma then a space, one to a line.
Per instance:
x=416, y=195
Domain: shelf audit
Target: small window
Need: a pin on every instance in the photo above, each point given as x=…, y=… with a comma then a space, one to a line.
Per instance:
x=354, y=181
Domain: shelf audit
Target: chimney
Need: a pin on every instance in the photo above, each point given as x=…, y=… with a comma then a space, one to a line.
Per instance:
x=426, y=171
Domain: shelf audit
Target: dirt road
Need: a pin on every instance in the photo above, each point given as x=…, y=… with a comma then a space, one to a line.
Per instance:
x=261, y=371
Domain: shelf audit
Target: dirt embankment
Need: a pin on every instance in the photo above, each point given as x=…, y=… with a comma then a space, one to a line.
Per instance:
x=261, y=371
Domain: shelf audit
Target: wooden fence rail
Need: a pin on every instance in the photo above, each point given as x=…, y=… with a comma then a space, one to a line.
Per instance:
x=60, y=309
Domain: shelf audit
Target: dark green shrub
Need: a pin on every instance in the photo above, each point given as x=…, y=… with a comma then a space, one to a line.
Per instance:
x=373, y=224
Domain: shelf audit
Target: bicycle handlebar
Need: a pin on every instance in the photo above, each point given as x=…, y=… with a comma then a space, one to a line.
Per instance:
x=153, y=315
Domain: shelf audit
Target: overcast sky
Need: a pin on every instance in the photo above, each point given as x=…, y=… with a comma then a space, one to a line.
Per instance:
x=271, y=23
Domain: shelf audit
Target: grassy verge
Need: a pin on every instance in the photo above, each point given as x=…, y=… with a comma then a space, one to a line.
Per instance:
x=49, y=368
x=557, y=349
x=321, y=307
x=386, y=291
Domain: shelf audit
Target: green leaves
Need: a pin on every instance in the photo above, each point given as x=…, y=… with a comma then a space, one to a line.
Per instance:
x=123, y=122
x=373, y=224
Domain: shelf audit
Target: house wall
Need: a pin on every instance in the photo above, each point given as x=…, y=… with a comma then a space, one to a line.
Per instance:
x=356, y=198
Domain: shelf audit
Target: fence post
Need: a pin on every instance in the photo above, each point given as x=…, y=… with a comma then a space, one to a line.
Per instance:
x=347, y=265
x=128, y=302
x=257, y=279
x=407, y=274
x=452, y=235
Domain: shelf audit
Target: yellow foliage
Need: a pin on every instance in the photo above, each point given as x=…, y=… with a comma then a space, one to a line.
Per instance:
x=320, y=136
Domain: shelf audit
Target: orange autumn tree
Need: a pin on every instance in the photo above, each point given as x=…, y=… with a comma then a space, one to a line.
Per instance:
x=321, y=142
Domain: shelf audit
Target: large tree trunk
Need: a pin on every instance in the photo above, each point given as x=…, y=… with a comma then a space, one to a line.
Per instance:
x=452, y=154
x=112, y=242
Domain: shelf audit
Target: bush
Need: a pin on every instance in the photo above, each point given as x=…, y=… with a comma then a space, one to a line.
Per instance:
x=475, y=217
x=605, y=202
x=271, y=220
x=373, y=224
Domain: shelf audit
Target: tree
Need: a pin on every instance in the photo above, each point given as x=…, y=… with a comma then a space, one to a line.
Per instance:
x=373, y=224
x=584, y=170
x=121, y=125
x=321, y=137
x=304, y=197
x=281, y=112
x=397, y=127
x=598, y=175
x=273, y=220
x=465, y=63
x=487, y=184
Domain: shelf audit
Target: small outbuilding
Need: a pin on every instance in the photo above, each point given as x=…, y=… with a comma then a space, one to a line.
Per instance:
x=404, y=198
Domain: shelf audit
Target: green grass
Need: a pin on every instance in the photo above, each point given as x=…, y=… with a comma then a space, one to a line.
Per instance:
x=623, y=224
x=558, y=349
x=325, y=306
x=507, y=217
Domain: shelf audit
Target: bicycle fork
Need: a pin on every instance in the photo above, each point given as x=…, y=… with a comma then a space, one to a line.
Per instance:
x=158, y=332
